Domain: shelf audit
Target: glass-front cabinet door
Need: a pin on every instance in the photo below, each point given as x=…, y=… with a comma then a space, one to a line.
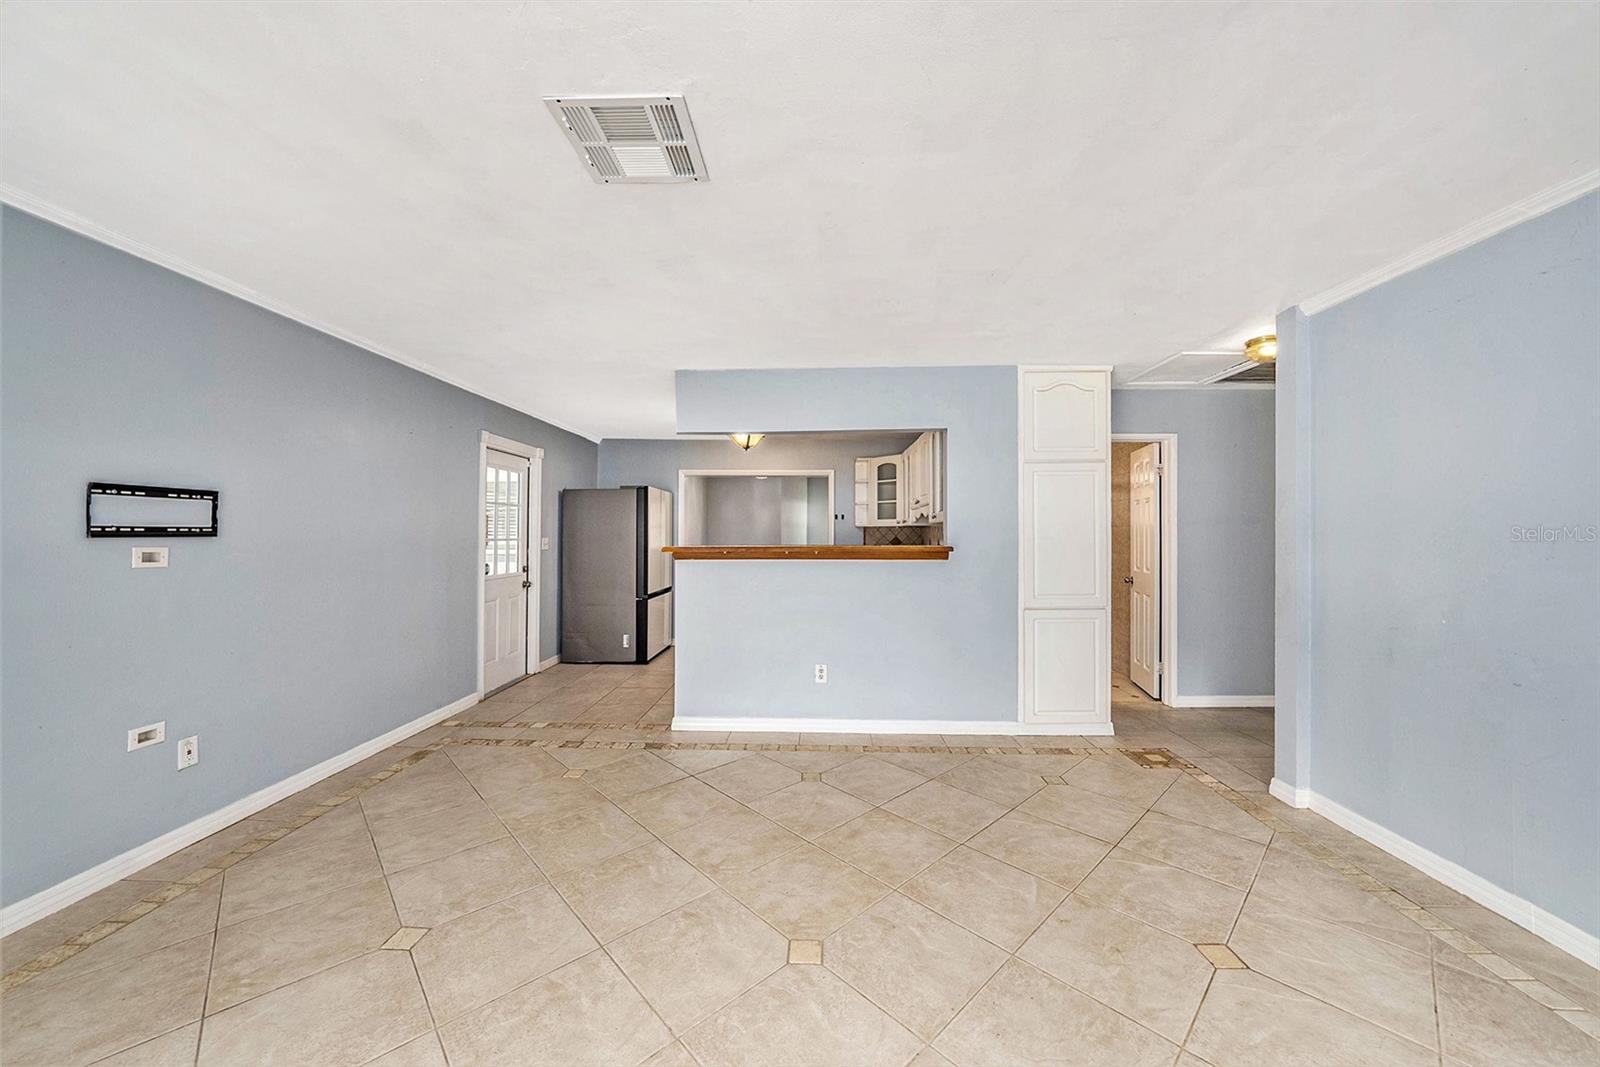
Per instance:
x=888, y=478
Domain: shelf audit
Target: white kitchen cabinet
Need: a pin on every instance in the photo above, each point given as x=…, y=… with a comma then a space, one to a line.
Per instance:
x=863, y=480
x=881, y=495
x=905, y=489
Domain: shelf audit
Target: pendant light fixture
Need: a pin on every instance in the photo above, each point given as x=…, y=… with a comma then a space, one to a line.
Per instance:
x=747, y=441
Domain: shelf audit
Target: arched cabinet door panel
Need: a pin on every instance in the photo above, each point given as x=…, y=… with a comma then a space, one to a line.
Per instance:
x=1066, y=416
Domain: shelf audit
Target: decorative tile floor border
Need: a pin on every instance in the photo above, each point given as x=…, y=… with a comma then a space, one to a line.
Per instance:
x=1151, y=758
x=196, y=878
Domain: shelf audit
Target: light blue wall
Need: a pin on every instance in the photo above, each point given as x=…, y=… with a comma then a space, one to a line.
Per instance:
x=925, y=640
x=1292, y=662
x=337, y=604
x=657, y=463
x=1455, y=698
x=1225, y=552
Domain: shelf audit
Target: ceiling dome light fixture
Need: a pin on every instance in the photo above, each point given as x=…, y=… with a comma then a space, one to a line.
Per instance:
x=1263, y=349
x=747, y=441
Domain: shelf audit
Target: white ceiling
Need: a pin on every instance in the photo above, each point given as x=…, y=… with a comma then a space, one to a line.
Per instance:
x=890, y=183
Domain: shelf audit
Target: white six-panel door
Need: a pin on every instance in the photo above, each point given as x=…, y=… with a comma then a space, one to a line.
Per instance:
x=505, y=569
x=1144, y=561
x=1065, y=534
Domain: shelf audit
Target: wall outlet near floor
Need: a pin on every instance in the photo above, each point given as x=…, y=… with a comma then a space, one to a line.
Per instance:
x=624, y=640
x=822, y=674
x=188, y=752
x=145, y=736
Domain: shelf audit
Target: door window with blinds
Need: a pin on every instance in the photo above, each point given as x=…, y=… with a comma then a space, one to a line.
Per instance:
x=504, y=503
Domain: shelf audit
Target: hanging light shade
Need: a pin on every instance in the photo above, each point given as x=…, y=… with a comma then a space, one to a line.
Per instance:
x=747, y=441
x=1263, y=349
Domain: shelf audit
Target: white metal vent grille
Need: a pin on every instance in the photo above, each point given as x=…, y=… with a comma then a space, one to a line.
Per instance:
x=631, y=138
x=1204, y=368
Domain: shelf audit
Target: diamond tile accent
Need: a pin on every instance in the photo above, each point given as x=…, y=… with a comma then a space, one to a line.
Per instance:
x=805, y=951
x=405, y=938
x=1222, y=957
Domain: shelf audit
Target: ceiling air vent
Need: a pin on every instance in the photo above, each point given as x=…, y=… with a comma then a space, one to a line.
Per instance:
x=631, y=138
x=1204, y=368
x=1252, y=372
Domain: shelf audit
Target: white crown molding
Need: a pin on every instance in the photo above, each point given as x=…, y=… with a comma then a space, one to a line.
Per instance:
x=1560, y=933
x=33, y=205
x=997, y=727
x=1471, y=234
x=48, y=901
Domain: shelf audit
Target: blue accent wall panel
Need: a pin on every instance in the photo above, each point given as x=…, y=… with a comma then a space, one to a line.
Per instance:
x=338, y=603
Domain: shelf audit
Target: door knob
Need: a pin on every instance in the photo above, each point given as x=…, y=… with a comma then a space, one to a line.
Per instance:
x=1127, y=581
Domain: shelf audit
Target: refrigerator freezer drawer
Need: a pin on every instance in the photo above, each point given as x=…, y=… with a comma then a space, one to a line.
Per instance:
x=658, y=624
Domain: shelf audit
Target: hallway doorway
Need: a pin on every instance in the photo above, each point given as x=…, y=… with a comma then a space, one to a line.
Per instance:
x=1143, y=553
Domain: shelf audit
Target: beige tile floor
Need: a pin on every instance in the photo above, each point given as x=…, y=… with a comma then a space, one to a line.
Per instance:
x=508, y=902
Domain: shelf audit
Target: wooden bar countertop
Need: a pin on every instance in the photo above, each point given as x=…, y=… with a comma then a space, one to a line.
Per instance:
x=901, y=552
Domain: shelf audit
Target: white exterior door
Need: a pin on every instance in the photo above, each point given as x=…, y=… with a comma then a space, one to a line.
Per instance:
x=505, y=569
x=1144, y=560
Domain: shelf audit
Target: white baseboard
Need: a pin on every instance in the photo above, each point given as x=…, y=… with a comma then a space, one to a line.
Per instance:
x=1560, y=933
x=889, y=726
x=48, y=901
x=1209, y=701
x=1295, y=798
x=545, y=665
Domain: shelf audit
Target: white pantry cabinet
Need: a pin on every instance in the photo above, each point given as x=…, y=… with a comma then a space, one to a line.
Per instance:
x=1064, y=600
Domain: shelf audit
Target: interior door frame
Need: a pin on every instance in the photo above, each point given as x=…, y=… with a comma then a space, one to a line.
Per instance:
x=677, y=519
x=1169, y=555
x=531, y=537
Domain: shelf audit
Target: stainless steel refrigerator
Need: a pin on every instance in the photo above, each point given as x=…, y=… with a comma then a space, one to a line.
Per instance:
x=616, y=583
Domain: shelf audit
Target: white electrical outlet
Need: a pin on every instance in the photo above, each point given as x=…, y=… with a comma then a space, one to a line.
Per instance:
x=544, y=544
x=624, y=640
x=149, y=557
x=188, y=752
x=145, y=736
x=822, y=674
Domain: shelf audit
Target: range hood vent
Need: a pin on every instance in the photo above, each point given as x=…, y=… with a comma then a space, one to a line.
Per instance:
x=623, y=139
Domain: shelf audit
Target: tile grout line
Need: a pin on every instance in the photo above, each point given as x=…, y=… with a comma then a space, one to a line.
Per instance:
x=1141, y=757
x=208, y=870
x=211, y=970
x=1012, y=954
x=1364, y=880
x=383, y=872
x=600, y=946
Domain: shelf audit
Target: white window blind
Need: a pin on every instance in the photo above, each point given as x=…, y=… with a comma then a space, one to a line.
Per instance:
x=502, y=511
